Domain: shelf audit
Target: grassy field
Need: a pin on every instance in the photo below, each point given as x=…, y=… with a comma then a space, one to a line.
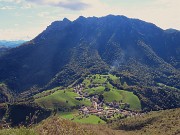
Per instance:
x=125, y=96
x=47, y=92
x=60, y=99
x=57, y=98
x=91, y=119
x=133, y=100
x=98, y=79
x=68, y=115
x=95, y=90
x=114, y=94
x=75, y=117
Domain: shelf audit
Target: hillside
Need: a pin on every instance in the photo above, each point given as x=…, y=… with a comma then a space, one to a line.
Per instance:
x=140, y=53
x=94, y=85
x=155, y=123
x=3, y=50
x=96, y=99
x=5, y=94
x=96, y=94
x=61, y=99
x=7, y=45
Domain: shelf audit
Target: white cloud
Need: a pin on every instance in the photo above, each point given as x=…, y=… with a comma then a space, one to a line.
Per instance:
x=67, y=4
x=43, y=14
x=16, y=1
x=26, y=6
x=7, y=8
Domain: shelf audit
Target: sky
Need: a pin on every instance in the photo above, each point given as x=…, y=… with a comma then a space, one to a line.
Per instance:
x=25, y=19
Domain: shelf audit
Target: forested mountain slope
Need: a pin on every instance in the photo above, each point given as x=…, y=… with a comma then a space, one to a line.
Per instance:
x=143, y=54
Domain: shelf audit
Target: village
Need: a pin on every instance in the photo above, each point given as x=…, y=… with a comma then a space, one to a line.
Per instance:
x=102, y=109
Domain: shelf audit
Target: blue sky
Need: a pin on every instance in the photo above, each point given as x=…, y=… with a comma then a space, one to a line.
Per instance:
x=25, y=19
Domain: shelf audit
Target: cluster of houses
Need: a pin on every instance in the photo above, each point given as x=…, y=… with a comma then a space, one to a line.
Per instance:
x=79, y=90
x=101, y=109
x=106, y=112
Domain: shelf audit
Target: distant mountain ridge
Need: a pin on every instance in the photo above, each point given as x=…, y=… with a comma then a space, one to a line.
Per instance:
x=140, y=52
x=9, y=43
x=6, y=45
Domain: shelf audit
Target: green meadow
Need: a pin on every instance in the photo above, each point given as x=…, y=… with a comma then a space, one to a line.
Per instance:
x=61, y=99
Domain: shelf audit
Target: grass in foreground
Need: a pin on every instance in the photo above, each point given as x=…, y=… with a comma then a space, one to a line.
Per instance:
x=18, y=131
x=155, y=123
x=58, y=126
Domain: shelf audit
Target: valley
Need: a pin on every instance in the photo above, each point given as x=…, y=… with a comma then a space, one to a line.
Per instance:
x=96, y=75
x=94, y=96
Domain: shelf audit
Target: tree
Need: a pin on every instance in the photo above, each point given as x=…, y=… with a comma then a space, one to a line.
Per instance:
x=107, y=89
x=101, y=98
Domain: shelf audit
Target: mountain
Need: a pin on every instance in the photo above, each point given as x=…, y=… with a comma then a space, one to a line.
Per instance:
x=171, y=30
x=11, y=44
x=6, y=45
x=3, y=49
x=145, y=56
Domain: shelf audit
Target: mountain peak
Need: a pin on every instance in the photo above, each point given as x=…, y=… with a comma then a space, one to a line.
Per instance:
x=80, y=19
x=58, y=25
x=66, y=20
